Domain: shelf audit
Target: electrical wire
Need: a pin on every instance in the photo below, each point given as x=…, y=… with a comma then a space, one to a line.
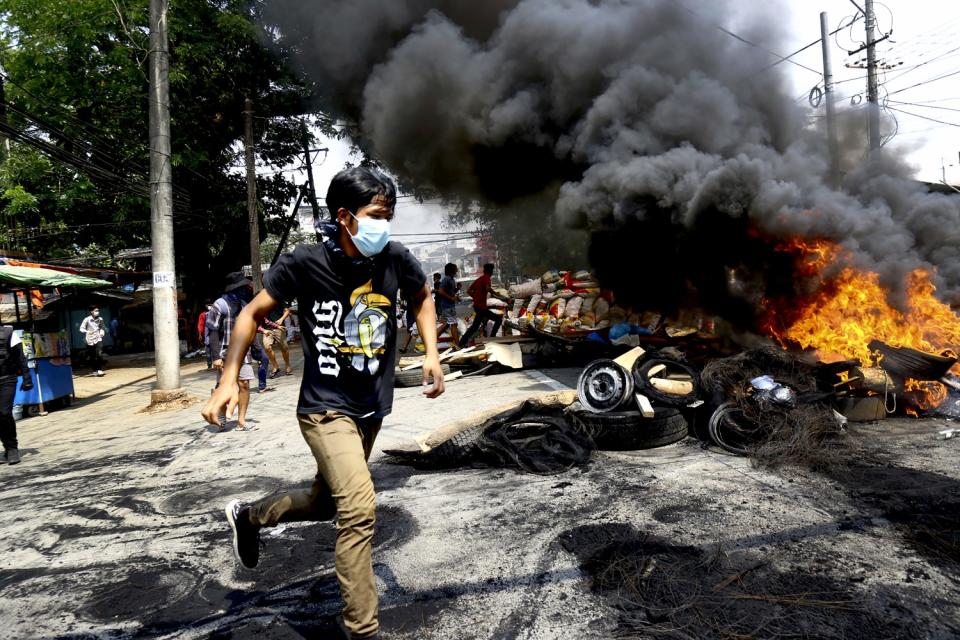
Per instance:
x=745, y=41
x=917, y=66
x=924, y=106
x=925, y=82
x=917, y=115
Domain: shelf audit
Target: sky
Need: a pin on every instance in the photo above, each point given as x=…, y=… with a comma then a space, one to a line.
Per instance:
x=924, y=45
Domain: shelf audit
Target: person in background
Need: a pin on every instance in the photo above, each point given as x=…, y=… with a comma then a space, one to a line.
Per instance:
x=274, y=334
x=203, y=335
x=115, y=333
x=12, y=364
x=436, y=294
x=480, y=290
x=449, y=296
x=92, y=328
x=291, y=325
x=257, y=348
x=237, y=292
x=409, y=322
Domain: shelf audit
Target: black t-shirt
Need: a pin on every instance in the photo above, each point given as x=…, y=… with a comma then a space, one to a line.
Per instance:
x=347, y=312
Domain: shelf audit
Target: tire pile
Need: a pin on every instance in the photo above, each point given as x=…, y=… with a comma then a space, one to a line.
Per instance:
x=609, y=395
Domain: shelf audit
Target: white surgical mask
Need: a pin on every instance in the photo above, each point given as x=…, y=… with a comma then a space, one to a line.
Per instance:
x=372, y=235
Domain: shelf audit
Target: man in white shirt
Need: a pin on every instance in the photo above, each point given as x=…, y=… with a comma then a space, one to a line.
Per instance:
x=93, y=331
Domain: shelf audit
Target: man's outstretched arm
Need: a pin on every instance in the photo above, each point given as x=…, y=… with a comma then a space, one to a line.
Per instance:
x=244, y=331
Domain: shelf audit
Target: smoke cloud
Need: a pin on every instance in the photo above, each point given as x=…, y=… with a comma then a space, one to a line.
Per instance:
x=676, y=144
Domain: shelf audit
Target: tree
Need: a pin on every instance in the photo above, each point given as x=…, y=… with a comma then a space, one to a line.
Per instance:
x=76, y=97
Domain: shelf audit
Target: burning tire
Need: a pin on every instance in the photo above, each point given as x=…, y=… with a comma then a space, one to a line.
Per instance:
x=414, y=377
x=629, y=430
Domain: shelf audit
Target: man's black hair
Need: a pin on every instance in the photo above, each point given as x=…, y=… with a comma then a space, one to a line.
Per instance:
x=449, y=269
x=436, y=276
x=93, y=308
x=356, y=187
x=488, y=268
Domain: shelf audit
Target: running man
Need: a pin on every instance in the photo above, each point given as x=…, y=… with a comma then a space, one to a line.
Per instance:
x=346, y=288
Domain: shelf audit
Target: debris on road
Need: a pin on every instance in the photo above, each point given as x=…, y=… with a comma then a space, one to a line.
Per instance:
x=538, y=435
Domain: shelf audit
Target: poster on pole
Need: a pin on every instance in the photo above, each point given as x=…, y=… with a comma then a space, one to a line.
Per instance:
x=164, y=280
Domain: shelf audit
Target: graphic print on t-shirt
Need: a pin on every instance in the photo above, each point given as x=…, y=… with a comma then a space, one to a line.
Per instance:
x=363, y=337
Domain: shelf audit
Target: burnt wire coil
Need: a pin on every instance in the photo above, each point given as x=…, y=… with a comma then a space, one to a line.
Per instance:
x=641, y=381
x=731, y=431
x=541, y=444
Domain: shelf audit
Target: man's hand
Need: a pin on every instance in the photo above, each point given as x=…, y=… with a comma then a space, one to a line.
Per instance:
x=432, y=369
x=27, y=383
x=226, y=396
x=218, y=364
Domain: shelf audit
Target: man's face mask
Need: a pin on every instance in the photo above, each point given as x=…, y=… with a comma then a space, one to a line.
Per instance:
x=372, y=235
x=95, y=313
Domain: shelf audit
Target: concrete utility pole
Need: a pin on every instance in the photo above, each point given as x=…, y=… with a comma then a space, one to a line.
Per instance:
x=828, y=96
x=4, y=140
x=251, y=194
x=873, y=106
x=165, y=339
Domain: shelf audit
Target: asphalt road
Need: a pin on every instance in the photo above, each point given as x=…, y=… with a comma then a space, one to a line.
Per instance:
x=114, y=528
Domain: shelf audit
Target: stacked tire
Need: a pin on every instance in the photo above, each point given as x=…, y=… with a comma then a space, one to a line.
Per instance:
x=630, y=430
x=606, y=392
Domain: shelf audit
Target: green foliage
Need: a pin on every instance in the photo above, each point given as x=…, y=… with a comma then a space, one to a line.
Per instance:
x=77, y=78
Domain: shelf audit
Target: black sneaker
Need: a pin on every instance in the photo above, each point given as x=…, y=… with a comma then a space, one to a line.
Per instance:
x=346, y=633
x=12, y=456
x=246, y=536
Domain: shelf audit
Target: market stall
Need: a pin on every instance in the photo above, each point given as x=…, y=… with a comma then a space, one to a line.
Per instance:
x=48, y=353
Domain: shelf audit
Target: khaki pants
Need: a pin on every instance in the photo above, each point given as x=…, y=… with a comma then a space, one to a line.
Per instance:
x=342, y=486
x=276, y=337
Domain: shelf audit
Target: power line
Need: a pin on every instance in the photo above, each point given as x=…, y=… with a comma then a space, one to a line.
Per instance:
x=915, y=67
x=802, y=49
x=917, y=115
x=925, y=106
x=745, y=41
x=919, y=84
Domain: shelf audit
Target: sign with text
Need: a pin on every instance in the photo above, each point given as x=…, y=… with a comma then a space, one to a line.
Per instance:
x=164, y=280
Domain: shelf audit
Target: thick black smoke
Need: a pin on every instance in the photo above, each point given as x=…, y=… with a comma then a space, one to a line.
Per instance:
x=675, y=143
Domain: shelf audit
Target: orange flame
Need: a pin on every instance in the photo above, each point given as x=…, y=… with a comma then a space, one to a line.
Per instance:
x=850, y=308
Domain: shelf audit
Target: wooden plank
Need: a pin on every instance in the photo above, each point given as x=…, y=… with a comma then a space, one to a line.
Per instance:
x=446, y=355
x=657, y=370
x=645, y=407
x=505, y=339
x=627, y=359
x=672, y=387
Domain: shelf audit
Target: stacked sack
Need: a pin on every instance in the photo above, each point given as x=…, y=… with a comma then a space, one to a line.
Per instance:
x=563, y=302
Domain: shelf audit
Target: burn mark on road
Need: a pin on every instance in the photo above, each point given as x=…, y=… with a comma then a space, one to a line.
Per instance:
x=923, y=506
x=657, y=587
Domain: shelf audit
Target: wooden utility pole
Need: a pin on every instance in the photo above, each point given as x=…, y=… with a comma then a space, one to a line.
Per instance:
x=308, y=163
x=251, y=194
x=873, y=106
x=165, y=338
